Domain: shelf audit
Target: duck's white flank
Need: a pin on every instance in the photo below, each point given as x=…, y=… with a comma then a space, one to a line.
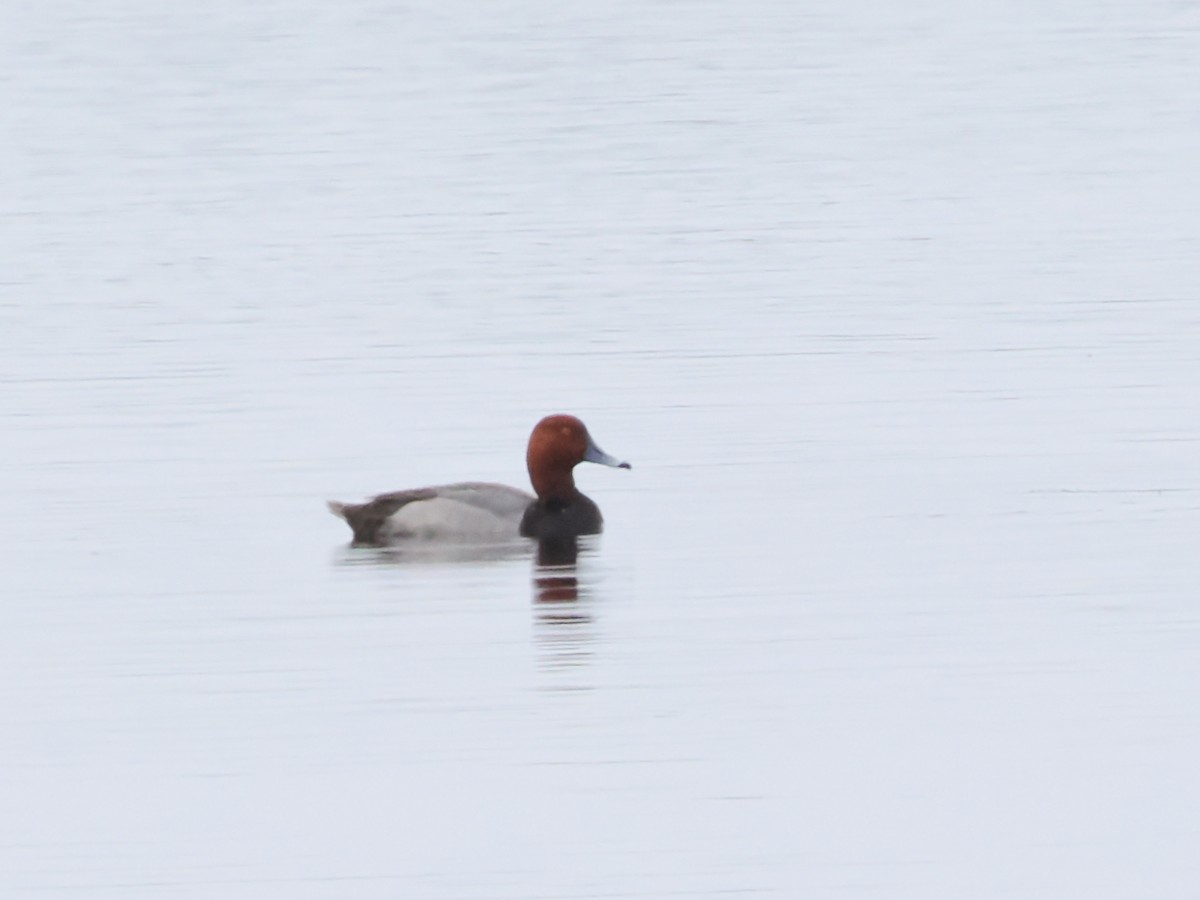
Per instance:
x=467, y=512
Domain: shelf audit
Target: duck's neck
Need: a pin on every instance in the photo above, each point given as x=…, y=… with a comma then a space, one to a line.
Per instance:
x=554, y=486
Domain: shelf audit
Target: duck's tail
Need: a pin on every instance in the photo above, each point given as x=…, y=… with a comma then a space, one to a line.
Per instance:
x=367, y=519
x=360, y=519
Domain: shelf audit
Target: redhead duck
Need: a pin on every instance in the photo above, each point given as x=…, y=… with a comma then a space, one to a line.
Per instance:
x=482, y=512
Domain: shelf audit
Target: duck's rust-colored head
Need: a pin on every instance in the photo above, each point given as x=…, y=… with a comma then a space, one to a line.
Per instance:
x=558, y=444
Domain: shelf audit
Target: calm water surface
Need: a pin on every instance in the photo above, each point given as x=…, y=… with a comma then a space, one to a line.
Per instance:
x=893, y=307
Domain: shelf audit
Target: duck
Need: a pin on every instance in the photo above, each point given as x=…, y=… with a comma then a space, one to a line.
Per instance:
x=483, y=512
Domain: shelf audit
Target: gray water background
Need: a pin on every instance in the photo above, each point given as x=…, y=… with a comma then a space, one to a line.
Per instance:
x=894, y=308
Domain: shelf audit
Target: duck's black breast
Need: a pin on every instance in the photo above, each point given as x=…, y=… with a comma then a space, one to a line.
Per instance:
x=553, y=519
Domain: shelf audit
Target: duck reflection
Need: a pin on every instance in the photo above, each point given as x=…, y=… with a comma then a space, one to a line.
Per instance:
x=555, y=579
x=562, y=551
x=563, y=620
x=433, y=553
x=561, y=591
x=556, y=575
x=550, y=554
